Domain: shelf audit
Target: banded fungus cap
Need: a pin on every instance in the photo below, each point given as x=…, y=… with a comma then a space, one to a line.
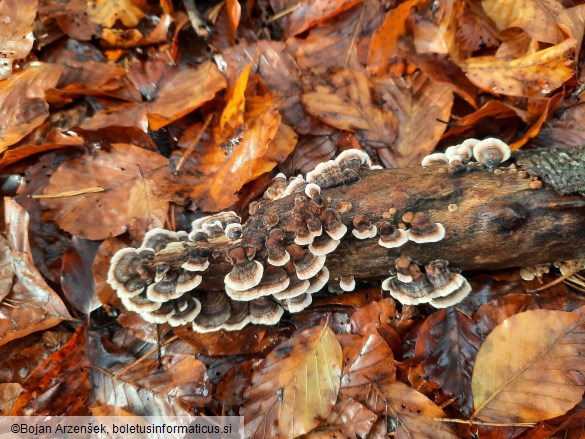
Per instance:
x=233, y=231
x=332, y=224
x=454, y=298
x=437, y=158
x=402, y=265
x=326, y=175
x=127, y=274
x=423, y=230
x=319, y=281
x=295, y=185
x=246, y=273
x=295, y=288
x=353, y=159
x=197, y=259
x=277, y=255
x=312, y=190
x=443, y=280
x=306, y=264
x=264, y=311
x=140, y=303
x=165, y=289
x=161, y=315
x=323, y=245
x=409, y=293
x=239, y=317
x=188, y=309
x=215, y=310
x=187, y=281
x=277, y=187
x=274, y=280
x=298, y=303
x=390, y=236
x=491, y=152
x=157, y=239
x=363, y=227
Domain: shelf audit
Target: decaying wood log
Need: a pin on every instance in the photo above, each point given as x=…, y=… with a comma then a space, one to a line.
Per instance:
x=492, y=218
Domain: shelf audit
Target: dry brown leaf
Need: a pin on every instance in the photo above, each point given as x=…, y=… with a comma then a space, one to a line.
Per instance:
x=106, y=12
x=133, y=196
x=530, y=368
x=241, y=162
x=183, y=92
x=418, y=102
x=22, y=101
x=296, y=386
x=6, y=268
x=574, y=20
x=148, y=389
x=347, y=102
x=515, y=44
x=234, y=11
x=416, y=415
x=536, y=17
x=32, y=305
x=305, y=14
x=16, y=32
x=529, y=75
x=348, y=419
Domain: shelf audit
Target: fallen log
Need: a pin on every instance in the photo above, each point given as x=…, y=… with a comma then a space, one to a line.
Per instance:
x=492, y=218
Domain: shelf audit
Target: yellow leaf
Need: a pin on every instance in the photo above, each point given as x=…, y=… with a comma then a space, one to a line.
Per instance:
x=106, y=12
x=529, y=75
x=530, y=368
x=536, y=17
x=296, y=387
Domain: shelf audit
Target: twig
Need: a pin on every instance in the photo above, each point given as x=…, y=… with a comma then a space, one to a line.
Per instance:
x=284, y=12
x=143, y=358
x=87, y=190
x=193, y=144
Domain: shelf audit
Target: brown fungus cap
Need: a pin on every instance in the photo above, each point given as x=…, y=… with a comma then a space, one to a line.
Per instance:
x=187, y=309
x=298, y=303
x=443, y=280
x=274, y=280
x=127, y=273
x=353, y=159
x=306, y=264
x=165, y=289
x=215, y=311
x=187, y=281
x=409, y=293
x=277, y=255
x=140, y=303
x=246, y=273
x=319, y=281
x=363, y=227
x=347, y=283
x=390, y=236
x=437, y=158
x=423, y=230
x=239, y=317
x=158, y=238
x=264, y=311
x=455, y=297
x=332, y=224
x=197, y=259
x=323, y=245
x=161, y=315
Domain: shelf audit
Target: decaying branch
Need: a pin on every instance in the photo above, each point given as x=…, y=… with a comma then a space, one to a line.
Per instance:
x=455, y=216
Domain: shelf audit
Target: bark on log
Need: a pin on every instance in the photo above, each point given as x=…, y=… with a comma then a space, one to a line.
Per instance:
x=492, y=219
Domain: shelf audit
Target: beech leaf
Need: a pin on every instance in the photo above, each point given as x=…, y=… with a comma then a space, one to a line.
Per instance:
x=530, y=368
x=182, y=93
x=536, y=17
x=106, y=12
x=416, y=415
x=533, y=74
x=132, y=195
x=347, y=102
x=16, y=32
x=22, y=101
x=296, y=386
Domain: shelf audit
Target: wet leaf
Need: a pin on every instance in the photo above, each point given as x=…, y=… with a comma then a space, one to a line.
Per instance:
x=132, y=197
x=446, y=347
x=536, y=17
x=182, y=92
x=416, y=415
x=347, y=419
x=367, y=360
x=529, y=368
x=148, y=389
x=529, y=75
x=232, y=117
x=295, y=387
x=234, y=11
x=22, y=101
x=16, y=32
x=61, y=384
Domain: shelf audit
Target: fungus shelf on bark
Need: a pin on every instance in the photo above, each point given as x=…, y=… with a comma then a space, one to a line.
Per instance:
x=224, y=274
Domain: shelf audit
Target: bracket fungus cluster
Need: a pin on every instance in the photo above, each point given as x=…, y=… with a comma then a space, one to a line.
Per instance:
x=278, y=257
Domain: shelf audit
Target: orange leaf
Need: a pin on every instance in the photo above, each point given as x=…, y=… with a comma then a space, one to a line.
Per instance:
x=532, y=74
x=527, y=370
x=234, y=11
x=217, y=191
x=187, y=90
x=232, y=116
x=536, y=17
x=61, y=384
x=300, y=15
x=106, y=12
x=132, y=180
x=22, y=101
x=16, y=32
x=385, y=39
x=419, y=101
